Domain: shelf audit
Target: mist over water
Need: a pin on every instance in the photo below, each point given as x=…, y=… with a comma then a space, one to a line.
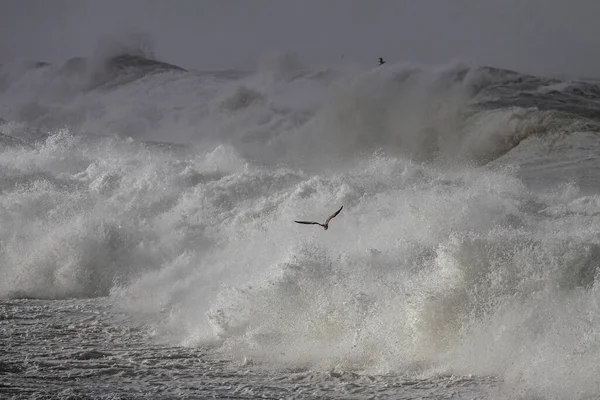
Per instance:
x=468, y=242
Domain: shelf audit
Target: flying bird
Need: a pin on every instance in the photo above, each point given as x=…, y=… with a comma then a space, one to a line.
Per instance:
x=326, y=224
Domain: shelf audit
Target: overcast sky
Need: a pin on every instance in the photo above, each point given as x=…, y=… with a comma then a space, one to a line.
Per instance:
x=547, y=37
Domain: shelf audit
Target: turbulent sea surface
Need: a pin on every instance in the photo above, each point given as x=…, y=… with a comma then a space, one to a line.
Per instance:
x=148, y=249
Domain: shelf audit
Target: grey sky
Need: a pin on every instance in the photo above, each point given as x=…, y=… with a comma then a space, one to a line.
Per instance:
x=549, y=37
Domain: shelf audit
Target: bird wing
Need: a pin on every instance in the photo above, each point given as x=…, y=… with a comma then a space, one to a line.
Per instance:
x=333, y=215
x=307, y=222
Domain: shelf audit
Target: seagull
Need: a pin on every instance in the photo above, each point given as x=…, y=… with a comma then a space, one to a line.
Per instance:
x=326, y=224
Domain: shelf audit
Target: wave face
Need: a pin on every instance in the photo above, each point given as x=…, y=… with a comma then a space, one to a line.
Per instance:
x=468, y=243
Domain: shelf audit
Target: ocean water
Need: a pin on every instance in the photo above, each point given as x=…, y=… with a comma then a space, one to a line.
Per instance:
x=148, y=249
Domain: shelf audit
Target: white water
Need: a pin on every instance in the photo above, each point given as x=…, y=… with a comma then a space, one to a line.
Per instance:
x=437, y=265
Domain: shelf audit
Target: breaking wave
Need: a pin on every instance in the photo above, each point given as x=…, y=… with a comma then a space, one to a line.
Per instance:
x=468, y=242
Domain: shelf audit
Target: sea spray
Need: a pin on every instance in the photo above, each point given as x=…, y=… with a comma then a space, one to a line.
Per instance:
x=468, y=242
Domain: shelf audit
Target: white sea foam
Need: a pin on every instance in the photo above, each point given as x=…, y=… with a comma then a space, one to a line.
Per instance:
x=436, y=264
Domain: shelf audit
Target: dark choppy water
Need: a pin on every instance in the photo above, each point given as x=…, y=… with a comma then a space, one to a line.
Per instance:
x=82, y=349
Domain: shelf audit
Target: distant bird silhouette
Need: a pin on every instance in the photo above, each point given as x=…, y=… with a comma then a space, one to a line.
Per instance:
x=326, y=224
x=381, y=61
